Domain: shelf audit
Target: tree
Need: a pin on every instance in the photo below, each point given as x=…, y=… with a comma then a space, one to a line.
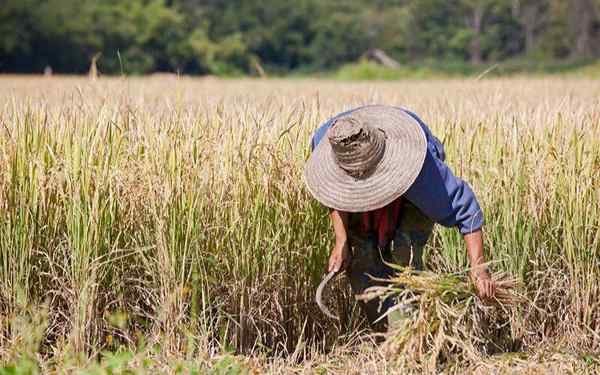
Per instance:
x=474, y=19
x=17, y=30
x=433, y=27
x=583, y=16
x=532, y=15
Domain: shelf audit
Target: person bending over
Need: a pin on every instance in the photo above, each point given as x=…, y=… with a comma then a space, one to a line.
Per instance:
x=383, y=175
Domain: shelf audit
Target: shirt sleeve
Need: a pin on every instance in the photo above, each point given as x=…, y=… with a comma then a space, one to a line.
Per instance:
x=433, y=143
x=445, y=198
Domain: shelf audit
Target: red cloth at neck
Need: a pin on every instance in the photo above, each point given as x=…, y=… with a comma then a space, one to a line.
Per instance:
x=382, y=221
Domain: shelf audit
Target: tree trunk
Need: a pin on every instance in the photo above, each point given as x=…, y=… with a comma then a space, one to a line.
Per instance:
x=530, y=23
x=582, y=19
x=582, y=45
x=531, y=16
x=476, y=24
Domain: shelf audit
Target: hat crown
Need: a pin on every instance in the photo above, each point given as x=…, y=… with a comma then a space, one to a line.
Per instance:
x=357, y=146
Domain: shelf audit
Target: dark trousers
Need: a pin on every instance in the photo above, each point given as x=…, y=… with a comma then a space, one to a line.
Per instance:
x=406, y=248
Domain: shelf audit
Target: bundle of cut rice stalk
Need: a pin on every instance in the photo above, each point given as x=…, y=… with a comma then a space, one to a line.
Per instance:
x=438, y=319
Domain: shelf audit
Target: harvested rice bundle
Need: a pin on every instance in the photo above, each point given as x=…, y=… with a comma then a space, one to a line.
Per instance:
x=439, y=319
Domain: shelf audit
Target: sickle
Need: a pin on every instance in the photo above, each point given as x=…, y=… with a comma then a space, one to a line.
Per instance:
x=319, y=296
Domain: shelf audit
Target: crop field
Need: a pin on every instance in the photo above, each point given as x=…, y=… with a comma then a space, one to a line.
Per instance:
x=161, y=225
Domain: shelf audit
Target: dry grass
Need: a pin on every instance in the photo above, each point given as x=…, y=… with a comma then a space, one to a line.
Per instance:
x=168, y=217
x=440, y=320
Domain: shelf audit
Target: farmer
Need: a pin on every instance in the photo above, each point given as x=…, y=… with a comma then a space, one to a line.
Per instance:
x=382, y=173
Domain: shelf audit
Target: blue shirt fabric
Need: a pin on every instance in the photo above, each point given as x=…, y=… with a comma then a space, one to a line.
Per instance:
x=437, y=192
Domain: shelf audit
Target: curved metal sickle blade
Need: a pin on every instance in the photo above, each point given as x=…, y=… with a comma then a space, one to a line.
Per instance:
x=319, y=296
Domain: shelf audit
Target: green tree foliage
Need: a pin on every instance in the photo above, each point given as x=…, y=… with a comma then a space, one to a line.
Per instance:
x=242, y=36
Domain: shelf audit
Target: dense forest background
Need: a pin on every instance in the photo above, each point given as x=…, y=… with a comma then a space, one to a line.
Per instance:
x=230, y=37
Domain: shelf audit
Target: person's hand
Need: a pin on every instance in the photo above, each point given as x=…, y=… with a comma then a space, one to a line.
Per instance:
x=340, y=257
x=486, y=287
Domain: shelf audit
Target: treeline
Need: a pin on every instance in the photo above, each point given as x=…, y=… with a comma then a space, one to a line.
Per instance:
x=247, y=36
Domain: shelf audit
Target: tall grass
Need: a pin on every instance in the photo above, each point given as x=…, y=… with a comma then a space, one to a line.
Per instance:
x=177, y=206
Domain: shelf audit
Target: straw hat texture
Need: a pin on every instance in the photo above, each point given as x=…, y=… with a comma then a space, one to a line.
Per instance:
x=367, y=159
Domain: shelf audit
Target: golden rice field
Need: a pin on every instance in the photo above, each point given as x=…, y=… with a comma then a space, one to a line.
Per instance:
x=160, y=225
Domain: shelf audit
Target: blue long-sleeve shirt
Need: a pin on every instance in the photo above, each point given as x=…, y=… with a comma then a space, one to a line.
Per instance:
x=437, y=192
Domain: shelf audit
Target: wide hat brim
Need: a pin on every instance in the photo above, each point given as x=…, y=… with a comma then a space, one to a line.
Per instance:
x=403, y=158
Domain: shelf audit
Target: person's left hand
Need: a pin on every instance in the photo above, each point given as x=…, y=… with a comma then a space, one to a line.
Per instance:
x=486, y=287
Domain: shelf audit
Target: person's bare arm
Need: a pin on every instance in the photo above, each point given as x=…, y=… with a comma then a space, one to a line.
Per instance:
x=479, y=273
x=340, y=254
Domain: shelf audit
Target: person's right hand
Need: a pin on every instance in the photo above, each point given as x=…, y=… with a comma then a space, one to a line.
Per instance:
x=340, y=257
x=486, y=287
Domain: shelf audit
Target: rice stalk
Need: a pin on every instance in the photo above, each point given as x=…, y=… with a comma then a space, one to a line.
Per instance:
x=442, y=318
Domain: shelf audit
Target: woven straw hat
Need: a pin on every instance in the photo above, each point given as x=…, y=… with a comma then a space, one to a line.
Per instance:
x=367, y=159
